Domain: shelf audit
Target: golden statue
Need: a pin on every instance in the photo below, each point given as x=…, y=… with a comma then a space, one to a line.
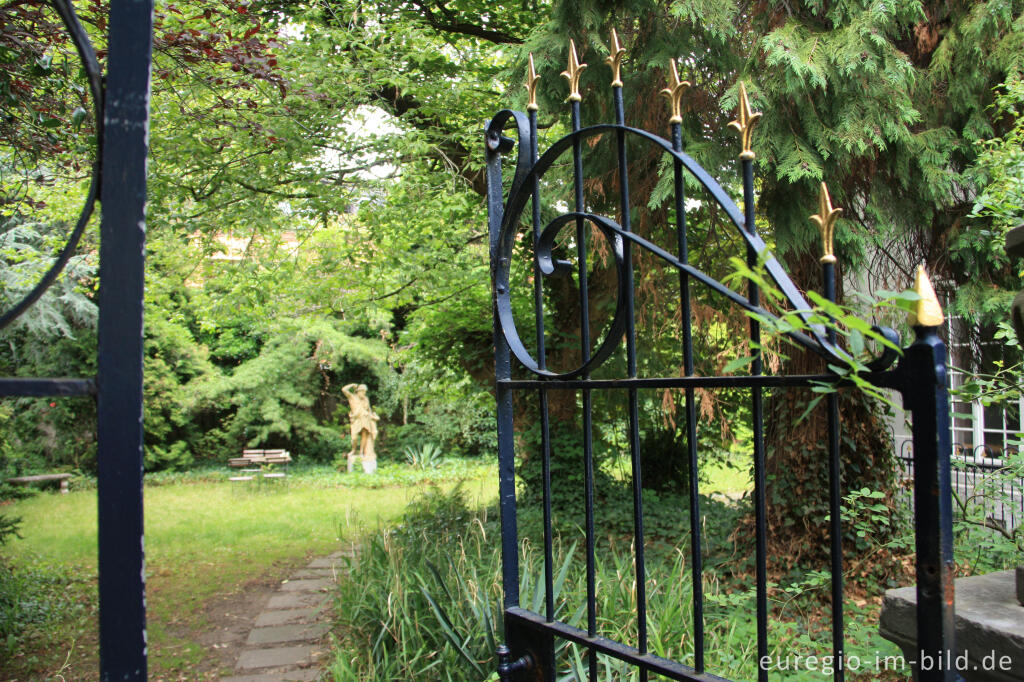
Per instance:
x=364, y=427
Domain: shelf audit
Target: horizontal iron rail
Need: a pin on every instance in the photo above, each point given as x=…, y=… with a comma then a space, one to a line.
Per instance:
x=35, y=387
x=649, y=662
x=966, y=464
x=882, y=379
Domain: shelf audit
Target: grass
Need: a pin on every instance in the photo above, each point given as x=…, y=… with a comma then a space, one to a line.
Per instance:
x=205, y=538
x=422, y=601
x=727, y=475
x=727, y=478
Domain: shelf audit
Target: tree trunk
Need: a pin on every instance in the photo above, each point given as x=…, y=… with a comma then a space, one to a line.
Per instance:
x=797, y=452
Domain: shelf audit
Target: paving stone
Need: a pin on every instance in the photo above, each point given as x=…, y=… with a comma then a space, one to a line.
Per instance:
x=328, y=573
x=274, y=658
x=299, y=675
x=279, y=634
x=310, y=585
x=303, y=675
x=286, y=616
x=291, y=616
x=296, y=600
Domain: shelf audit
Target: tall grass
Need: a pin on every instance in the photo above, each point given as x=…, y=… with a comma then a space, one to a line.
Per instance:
x=422, y=601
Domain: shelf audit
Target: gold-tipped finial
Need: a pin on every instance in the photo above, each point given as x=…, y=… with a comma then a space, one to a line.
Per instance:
x=531, y=86
x=572, y=74
x=927, y=311
x=674, y=92
x=744, y=124
x=826, y=222
x=614, y=60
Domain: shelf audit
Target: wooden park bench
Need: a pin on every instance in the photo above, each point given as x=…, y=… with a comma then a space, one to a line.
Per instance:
x=43, y=478
x=252, y=463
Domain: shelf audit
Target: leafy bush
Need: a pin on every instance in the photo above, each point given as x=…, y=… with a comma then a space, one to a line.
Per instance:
x=9, y=528
x=987, y=542
x=664, y=461
x=35, y=597
x=443, y=406
x=288, y=396
x=176, y=457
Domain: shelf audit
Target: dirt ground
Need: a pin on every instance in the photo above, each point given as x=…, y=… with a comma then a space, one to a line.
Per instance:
x=226, y=622
x=219, y=628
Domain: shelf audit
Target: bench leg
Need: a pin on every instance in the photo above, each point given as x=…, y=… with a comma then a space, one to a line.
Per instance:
x=63, y=486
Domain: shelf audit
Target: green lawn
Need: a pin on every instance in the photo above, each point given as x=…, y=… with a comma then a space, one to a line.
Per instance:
x=210, y=538
x=719, y=476
x=207, y=538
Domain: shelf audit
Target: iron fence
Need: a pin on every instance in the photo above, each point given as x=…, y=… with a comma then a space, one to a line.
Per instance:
x=983, y=485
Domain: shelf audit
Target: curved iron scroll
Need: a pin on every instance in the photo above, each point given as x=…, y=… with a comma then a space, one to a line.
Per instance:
x=92, y=72
x=527, y=173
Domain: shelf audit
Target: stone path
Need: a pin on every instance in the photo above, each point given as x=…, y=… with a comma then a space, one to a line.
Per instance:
x=285, y=642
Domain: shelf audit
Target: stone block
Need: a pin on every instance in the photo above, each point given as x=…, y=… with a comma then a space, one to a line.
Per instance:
x=287, y=616
x=989, y=625
x=275, y=657
x=296, y=600
x=307, y=585
x=279, y=634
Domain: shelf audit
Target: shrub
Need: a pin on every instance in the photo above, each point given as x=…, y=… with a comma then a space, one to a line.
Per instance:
x=426, y=456
x=9, y=528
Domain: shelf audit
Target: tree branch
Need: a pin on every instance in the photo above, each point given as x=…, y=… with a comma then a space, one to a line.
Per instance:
x=451, y=24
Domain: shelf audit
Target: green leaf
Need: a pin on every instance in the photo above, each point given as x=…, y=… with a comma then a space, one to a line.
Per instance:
x=737, y=363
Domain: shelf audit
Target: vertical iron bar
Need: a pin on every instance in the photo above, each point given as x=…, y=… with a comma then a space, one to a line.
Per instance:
x=545, y=428
x=757, y=416
x=835, y=501
x=122, y=583
x=925, y=370
x=696, y=554
x=631, y=368
x=503, y=370
x=588, y=445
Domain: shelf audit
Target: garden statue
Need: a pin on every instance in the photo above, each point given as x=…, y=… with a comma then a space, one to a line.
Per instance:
x=364, y=427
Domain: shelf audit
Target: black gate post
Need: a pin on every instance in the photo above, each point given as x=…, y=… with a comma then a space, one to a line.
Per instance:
x=925, y=395
x=533, y=652
x=119, y=384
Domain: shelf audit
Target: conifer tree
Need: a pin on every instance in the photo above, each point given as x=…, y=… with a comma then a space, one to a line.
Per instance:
x=887, y=103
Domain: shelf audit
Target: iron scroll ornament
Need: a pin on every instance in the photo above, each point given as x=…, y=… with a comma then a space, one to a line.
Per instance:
x=527, y=172
x=92, y=73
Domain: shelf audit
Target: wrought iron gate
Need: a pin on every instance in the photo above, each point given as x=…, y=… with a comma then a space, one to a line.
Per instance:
x=121, y=108
x=920, y=376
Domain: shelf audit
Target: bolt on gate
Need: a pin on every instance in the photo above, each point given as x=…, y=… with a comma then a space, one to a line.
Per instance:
x=533, y=636
x=121, y=109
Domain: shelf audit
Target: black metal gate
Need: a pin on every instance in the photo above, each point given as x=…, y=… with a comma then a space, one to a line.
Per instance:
x=920, y=376
x=121, y=107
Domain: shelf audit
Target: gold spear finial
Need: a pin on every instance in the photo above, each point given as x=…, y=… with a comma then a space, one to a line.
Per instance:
x=927, y=311
x=744, y=124
x=572, y=74
x=614, y=60
x=531, y=86
x=826, y=222
x=674, y=92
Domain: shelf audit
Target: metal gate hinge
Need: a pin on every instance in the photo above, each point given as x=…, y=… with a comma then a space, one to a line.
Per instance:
x=506, y=666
